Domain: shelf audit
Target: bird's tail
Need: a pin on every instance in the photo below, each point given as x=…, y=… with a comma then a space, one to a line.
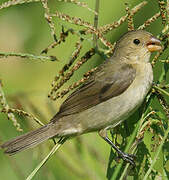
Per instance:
x=30, y=139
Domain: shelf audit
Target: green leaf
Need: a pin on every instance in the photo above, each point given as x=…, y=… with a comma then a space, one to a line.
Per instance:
x=152, y=141
x=163, y=75
x=167, y=165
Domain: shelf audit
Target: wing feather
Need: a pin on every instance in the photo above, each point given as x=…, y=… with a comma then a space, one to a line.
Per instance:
x=106, y=83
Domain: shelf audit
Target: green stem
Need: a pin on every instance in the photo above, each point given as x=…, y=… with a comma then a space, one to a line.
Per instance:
x=29, y=56
x=16, y=2
x=161, y=90
x=156, y=155
x=54, y=149
x=6, y=107
x=96, y=22
x=115, y=174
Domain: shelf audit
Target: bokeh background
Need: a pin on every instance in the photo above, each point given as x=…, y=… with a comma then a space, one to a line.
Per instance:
x=26, y=84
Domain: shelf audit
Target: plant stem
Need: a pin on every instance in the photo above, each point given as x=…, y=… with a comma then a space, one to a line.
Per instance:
x=161, y=90
x=54, y=149
x=29, y=56
x=96, y=22
x=156, y=155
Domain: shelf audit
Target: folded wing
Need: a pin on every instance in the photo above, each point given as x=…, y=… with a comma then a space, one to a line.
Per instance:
x=106, y=83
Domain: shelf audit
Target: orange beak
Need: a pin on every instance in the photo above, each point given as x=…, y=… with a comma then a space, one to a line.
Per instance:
x=154, y=44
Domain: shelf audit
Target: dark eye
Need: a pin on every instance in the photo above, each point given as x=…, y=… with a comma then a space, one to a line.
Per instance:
x=136, y=41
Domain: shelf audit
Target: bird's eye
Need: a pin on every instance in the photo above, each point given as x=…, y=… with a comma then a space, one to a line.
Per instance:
x=136, y=41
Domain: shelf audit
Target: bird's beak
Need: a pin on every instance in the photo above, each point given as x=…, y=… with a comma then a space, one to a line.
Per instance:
x=154, y=44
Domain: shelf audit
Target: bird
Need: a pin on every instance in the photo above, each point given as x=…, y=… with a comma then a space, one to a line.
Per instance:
x=111, y=94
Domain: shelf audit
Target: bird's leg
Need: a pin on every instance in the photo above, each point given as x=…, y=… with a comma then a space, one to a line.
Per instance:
x=126, y=157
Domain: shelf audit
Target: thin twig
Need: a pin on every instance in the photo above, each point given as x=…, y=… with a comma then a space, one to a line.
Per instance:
x=74, y=56
x=164, y=61
x=163, y=11
x=82, y=4
x=97, y=2
x=15, y=2
x=5, y=106
x=163, y=103
x=48, y=18
x=157, y=154
x=24, y=113
x=129, y=18
x=161, y=90
x=54, y=149
x=68, y=75
x=149, y=21
x=63, y=35
x=109, y=27
x=80, y=22
x=66, y=67
x=73, y=20
x=76, y=84
x=28, y=56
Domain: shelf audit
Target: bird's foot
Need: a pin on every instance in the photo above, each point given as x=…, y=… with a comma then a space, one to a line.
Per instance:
x=129, y=158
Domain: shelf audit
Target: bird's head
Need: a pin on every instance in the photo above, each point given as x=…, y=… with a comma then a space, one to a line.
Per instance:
x=137, y=46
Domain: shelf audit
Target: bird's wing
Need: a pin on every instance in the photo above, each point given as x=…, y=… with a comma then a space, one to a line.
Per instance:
x=103, y=85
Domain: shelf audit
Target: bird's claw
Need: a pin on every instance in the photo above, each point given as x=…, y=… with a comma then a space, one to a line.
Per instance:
x=129, y=158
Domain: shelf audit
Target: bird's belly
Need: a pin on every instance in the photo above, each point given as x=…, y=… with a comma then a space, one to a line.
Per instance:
x=113, y=111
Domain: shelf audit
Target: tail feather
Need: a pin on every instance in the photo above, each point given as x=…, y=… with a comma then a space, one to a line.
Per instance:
x=29, y=140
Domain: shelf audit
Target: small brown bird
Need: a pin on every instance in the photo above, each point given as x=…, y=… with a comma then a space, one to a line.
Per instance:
x=111, y=95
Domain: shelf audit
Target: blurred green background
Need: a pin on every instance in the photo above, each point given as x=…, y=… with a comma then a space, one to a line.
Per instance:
x=27, y=82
